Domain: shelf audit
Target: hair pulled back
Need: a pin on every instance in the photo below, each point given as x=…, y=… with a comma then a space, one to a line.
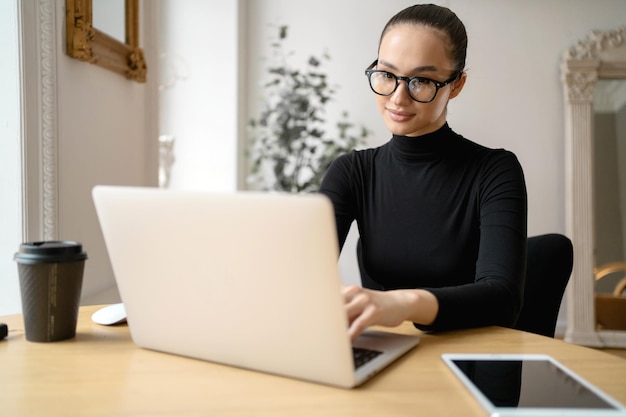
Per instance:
x=440, y=18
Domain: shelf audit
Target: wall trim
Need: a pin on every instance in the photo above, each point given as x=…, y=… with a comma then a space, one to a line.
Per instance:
x=39, y=120
x=49, y=131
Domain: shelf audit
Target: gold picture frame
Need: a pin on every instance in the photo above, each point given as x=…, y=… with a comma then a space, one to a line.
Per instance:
x=86, y=43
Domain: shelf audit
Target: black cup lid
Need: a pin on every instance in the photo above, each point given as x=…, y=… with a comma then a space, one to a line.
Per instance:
x=50, y=251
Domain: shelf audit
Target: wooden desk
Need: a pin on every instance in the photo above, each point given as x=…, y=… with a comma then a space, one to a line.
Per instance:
x=102, y=373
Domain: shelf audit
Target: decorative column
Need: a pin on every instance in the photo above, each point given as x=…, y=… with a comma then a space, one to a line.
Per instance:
x=580, y=80
x=601, y=56
x=39, y=113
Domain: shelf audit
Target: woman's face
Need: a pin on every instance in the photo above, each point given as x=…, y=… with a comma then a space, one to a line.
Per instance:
x=411, y=51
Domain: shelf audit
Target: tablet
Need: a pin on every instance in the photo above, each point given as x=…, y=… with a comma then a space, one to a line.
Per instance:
x=529, y=385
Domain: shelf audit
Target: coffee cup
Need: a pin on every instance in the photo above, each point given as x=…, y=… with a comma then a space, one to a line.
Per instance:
x=51, y=278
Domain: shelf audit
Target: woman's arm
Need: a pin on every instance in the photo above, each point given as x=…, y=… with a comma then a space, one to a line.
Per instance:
x=495, y=297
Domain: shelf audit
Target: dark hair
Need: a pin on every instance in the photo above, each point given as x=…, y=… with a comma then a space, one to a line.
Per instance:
x=440, y=18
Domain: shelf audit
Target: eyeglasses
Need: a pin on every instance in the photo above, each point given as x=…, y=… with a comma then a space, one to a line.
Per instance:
x=420, y=89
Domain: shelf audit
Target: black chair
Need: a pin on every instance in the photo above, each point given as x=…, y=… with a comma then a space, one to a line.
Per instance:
x=550, y=259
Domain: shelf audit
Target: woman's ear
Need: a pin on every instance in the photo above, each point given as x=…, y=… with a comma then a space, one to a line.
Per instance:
x=457, y=86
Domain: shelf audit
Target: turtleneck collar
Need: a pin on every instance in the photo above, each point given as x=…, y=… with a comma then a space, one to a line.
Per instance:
x=420, y=148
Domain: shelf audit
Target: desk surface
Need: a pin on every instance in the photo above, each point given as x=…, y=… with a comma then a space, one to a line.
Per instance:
x=102, y=373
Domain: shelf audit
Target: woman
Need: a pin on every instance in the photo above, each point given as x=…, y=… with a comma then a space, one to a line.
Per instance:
x=442, y=220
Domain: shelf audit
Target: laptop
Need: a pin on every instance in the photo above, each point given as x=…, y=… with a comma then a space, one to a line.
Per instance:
x=246, y=279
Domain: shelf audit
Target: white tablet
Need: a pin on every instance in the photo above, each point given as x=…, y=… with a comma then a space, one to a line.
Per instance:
x=529, y=385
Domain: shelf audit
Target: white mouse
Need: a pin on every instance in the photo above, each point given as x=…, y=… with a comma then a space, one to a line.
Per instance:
x=110, y=315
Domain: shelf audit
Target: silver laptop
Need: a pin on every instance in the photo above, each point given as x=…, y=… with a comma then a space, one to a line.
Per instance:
x=244, y=279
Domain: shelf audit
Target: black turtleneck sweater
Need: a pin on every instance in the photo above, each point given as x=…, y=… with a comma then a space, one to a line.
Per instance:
x=442, y=213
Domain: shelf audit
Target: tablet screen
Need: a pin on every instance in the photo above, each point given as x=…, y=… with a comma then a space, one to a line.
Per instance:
x=520, y=383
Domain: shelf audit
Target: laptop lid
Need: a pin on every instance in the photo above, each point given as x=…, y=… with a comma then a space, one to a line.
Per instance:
x=245, y=279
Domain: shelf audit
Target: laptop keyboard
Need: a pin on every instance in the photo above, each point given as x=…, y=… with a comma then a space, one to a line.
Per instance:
x=362, y=356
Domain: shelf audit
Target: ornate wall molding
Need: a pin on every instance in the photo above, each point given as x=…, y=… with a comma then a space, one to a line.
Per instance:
x=596, y=43
x=48, y=111
x=38, y=39
x=580, y=86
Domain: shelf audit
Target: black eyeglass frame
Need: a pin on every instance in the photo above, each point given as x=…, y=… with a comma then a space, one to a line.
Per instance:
x=438, y=84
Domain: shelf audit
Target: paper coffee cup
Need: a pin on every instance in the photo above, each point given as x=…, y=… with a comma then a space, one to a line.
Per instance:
x=51, y=278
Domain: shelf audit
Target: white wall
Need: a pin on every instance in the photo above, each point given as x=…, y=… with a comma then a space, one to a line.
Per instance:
x=200, y=70
x=107, y=134
x=10, y=186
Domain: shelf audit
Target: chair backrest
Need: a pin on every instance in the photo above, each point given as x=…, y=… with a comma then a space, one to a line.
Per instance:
x=549, y=263
x=550, y=259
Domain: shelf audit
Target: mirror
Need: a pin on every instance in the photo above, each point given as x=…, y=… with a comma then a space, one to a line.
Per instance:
x=590, y=70
x=609, y=161
x=86, y=43
x=109, y=16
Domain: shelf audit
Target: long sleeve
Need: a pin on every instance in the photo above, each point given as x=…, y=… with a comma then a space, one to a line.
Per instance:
x=441, y=213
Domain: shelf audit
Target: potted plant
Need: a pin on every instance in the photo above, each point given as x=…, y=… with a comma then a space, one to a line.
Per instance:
x=290, y=147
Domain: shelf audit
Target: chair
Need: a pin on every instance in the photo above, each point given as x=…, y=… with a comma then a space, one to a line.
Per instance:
x=549, y=263
x=550, y=259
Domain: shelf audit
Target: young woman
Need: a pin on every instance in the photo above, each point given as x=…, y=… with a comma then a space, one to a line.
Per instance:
x=442, y=220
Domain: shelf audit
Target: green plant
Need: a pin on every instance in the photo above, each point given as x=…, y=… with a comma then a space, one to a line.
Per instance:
x=290, y=148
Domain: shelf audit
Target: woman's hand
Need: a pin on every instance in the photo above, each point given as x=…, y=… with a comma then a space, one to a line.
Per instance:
x=366, y=308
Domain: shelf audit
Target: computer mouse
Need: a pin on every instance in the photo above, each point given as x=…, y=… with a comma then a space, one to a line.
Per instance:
x=110, y=315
